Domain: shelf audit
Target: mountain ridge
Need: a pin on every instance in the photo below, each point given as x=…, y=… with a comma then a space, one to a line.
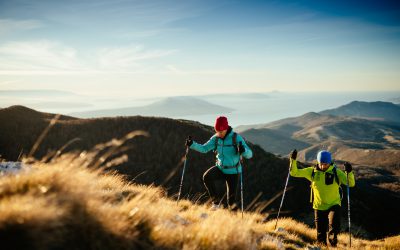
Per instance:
x=374, y=110
x=325, y=130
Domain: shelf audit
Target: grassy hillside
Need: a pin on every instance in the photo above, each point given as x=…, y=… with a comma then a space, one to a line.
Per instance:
x=157, y=159
x=69, y=204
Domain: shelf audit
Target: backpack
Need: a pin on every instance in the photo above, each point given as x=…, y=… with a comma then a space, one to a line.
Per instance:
x=334, y=174
x=335, y=177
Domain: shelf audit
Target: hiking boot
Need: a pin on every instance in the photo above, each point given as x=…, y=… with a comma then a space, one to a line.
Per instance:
x=333, y=242
x=234, y=208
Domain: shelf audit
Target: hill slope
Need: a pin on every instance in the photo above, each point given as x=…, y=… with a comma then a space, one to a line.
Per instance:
x=157, y=159
x=273, y=141
x=66, y=204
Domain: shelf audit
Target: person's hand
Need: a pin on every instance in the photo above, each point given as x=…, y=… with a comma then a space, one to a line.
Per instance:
x=293, y=154
x=347, y=167
x=241, y=148
x=189, y=141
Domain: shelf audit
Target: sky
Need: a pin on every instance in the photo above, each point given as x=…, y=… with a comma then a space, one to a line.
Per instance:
x=168, y=48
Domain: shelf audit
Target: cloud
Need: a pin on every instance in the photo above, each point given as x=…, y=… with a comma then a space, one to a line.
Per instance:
x=9, y=83
x=148, y=33
x=121, y=58
x=40, y=55
x=45, y=57
x=174, y=69
x=12, y=25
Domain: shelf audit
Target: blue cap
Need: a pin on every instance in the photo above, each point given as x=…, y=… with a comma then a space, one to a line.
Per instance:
x=324, y=157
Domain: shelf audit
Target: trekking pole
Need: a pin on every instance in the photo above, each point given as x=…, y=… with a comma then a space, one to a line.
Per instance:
x=183, y=173
x=283, y=196
x=241, y=184
x=348, y=207
x=241, y=177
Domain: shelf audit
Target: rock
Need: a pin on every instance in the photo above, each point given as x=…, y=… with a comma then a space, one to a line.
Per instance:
x=312, y=248
x=278, y=242
x=204, y=216
x=12, y=167
x=181, y=220
x=280, y=230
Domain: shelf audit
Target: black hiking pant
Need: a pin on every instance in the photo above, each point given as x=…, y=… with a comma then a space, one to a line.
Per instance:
x=327, y=221
x=213, y=175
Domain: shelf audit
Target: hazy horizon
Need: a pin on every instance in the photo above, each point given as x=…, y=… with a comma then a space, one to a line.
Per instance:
x=248, y=108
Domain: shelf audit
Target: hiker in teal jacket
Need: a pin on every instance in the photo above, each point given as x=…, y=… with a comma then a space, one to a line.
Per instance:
x=325, y=180
x=228, y=147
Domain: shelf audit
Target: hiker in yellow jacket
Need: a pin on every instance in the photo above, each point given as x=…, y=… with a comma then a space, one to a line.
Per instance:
x=325, y=179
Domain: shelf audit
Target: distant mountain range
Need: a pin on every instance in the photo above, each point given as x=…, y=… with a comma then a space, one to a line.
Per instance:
x=240, y=95
x=373, y=139
x=168, y=107
x=386, y=111
x=395, y=100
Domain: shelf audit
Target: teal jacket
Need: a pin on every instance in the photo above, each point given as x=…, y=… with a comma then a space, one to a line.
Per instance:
x=227, y=160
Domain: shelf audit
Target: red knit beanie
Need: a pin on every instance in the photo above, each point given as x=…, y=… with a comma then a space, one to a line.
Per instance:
x=221, y=123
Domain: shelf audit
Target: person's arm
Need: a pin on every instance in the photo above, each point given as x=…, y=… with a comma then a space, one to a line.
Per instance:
x=343, y=175
x=246, y=152
x=204, y=148
x=295, y=172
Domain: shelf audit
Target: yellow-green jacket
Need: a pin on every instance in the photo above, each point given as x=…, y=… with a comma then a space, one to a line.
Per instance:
x=325, y=196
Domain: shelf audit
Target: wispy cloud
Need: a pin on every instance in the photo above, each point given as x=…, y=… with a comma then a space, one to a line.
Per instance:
x=52, y=58
x=37, y=55
x=127, y=57
x=9, y=83
x=114, y=16
x=174, y=69
x=12, y=25
x=149, y=32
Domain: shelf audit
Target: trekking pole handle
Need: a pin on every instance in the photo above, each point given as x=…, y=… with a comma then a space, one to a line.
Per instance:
x=188, y=147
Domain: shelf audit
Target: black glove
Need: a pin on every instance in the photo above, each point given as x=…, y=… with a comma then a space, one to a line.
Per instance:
x=241, y=148
x=189, y=141
x=347, y=167
x=293, y=154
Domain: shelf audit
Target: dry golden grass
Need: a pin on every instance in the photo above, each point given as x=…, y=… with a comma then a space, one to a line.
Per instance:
x=67, y=204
